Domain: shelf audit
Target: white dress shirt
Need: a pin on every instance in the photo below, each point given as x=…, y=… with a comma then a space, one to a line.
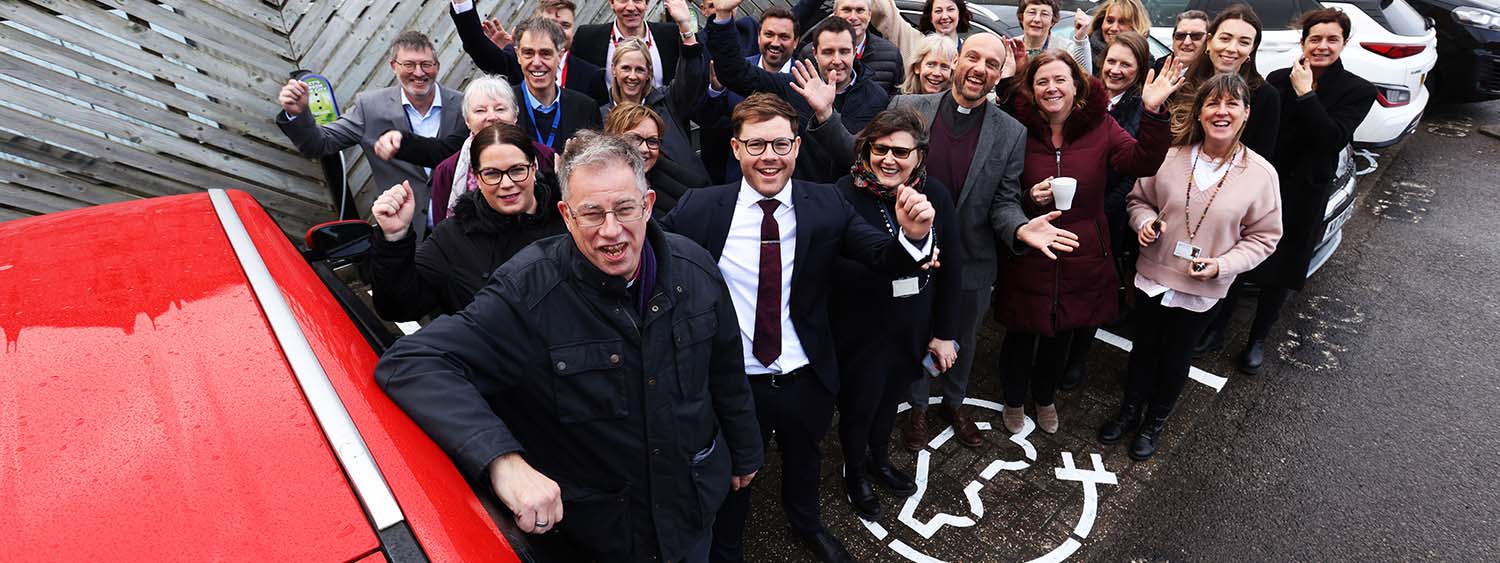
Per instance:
x=740, y=265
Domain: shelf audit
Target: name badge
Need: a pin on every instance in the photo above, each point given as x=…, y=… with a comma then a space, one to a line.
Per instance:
x=1186, y=251
x=905, y=287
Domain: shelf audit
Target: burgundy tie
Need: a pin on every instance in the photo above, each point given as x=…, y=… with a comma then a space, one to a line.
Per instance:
x=767, y=343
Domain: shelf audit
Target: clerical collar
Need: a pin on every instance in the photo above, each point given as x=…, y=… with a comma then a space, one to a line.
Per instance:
x=963, y=110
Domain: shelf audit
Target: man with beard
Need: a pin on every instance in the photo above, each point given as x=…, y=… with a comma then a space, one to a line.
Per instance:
x=596, y=42
x=775, y=38
x=856, y=98
x=414, y=107
x=977, y=150
x=881, y=57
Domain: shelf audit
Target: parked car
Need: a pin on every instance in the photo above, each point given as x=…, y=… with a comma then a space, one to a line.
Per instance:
x=1468, y=33
x=181, y=384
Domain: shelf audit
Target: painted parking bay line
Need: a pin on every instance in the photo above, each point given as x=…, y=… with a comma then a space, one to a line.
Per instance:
x=1209, y=379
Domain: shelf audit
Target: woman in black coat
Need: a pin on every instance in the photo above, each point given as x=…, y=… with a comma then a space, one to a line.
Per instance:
x=515, y=205
x=1321, y=106
x=1233, y=39
x=884, y=327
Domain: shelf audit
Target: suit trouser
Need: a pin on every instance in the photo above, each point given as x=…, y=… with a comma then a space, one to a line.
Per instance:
x=876, y=379
x=800, y=414
x=972, y=304
x=1162, y=353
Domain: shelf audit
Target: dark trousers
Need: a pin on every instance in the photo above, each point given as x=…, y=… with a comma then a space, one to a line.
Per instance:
x=1267, y=310
x=1030, y=361
x=1160, y=358
x=799, y=414
x=876, y=379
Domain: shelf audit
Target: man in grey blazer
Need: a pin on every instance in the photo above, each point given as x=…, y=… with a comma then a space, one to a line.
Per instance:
x=980, y=150
x=415, y=107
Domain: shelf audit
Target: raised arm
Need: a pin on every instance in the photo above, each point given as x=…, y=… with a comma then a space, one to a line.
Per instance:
x=734, y=72
x=485, y=54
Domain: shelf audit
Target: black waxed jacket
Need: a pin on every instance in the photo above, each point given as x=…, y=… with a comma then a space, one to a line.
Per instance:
x=611, y=398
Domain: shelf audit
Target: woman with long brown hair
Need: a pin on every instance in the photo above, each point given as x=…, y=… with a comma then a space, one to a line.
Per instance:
x=1212, y=212
x=1233, y=39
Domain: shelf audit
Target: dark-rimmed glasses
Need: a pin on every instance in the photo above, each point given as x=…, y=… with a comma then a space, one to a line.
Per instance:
x=757, y=147
x=492, y=176
x=653, y=143
x=625, y=213
x=410, y=65
x=1196, y=35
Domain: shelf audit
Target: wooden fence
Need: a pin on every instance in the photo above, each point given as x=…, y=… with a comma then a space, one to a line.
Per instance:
x=111, y=100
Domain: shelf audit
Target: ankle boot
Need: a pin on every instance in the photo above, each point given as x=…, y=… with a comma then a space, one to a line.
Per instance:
x=1014, y=418
x=1211, y=341
x=1071, y=377
x=1252, y=358
x=1144, y=445
x=1123, y=423
x=1046, y=418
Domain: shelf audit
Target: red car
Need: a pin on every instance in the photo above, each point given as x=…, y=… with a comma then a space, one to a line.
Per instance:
x=178, y=383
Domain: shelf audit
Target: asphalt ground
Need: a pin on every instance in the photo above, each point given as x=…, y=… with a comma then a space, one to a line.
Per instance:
x=1367, y=436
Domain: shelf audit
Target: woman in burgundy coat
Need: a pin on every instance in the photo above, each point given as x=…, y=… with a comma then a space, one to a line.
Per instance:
x=1047, y=301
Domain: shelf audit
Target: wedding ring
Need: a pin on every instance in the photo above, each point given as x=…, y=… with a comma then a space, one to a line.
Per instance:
x=541, y=523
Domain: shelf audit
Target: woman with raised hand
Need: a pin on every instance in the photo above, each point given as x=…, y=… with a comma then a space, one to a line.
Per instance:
x=643, y=127
x=515, y=204
x=1071, y=145
x=884, y=326
x=931, y=71
x=1037, y=18
x=1109, y=19
x=632, y=68
x=949, y=18
x=1212, y=212
x=1321, y=106
x=1126, y=62
x=1233, y=39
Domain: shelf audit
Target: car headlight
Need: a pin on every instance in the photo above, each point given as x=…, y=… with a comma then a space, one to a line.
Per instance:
x=1477, y=17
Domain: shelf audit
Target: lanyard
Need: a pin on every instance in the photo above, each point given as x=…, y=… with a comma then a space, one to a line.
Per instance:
x=885, y=215
x=1193, y=171
x=531, y=104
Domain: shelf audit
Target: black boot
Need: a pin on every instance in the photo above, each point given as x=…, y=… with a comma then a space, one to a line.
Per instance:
x=1211, y=341
x=862, y=497
x=1252, y=358
x=1071, y=377
x=892, y=479
x=1127, y=420
x=1144, y=445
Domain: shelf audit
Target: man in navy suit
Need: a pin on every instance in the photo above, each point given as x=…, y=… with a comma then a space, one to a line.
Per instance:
x=775, y=241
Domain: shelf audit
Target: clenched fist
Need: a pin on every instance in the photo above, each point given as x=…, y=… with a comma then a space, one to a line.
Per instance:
x=393, y=211
x=293, y=97
x=914, y=212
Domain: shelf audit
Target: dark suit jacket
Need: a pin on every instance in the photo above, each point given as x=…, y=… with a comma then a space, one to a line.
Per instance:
x=827, y=228
x=591, y=43
x=579, y=74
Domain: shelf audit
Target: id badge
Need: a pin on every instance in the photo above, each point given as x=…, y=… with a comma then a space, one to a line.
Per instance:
x=1186, y=251
x=904, y=287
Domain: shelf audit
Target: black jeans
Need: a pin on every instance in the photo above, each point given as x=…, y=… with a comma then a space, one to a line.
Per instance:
x=800, y=414
x=1030, y=361
x=1161, y=355
x=1267, y=310
x=876, y=380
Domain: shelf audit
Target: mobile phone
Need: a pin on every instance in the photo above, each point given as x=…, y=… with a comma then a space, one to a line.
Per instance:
x=1199, y=266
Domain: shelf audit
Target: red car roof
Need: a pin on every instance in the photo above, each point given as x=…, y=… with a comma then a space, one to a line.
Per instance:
x=146, y=410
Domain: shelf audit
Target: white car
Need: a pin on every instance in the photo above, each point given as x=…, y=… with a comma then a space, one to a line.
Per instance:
x=1389, y=44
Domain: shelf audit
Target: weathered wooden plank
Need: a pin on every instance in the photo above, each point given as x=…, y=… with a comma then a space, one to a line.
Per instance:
x=236, y=144
x=228, y=43
x=373, y=68
x=218, y=164
x=74, y=189
x=230, y=116
x=237, y=73
x=259, y=12
x=311, y=25
x=244, y=95
x=157, y=164
x=7, y=214
x=378, y=28
x=123, y=178
x=336, y=31
x=229, y=27
x=22, y=197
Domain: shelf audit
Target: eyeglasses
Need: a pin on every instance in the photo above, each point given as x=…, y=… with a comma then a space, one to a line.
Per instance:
x=653, y=143
x=409, y=65
x=900, y=152
x=627, y=213
x=757, y=147
x=517, y=173
x=1196, y=35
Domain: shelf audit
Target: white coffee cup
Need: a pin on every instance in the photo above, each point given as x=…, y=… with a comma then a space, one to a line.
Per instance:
x=1062, y=192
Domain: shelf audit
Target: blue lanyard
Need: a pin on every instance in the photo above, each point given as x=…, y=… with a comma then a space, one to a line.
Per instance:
x=531, y=104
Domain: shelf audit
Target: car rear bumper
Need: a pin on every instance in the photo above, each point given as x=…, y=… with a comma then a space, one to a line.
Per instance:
x=1383, y=119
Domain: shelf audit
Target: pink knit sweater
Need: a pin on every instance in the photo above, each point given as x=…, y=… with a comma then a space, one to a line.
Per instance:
x=1241, y=230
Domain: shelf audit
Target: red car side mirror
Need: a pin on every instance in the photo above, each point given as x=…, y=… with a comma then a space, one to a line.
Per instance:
x=338, y=239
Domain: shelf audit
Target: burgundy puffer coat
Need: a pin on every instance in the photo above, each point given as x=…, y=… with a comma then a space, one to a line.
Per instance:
x=1037, y=294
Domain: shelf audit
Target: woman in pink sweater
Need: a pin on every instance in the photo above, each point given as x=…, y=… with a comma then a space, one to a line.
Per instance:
x=1212, y=212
